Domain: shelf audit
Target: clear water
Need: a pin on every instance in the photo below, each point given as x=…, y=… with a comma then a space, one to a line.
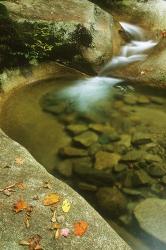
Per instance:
x=39, y=117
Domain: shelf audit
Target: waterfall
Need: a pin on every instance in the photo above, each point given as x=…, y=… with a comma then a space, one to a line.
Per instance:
x=136, y=50
x=85, y=93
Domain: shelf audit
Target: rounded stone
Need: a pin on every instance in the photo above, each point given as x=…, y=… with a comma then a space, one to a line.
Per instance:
x=112, y=201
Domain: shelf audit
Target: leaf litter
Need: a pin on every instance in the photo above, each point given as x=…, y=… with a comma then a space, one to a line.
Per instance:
x=33, y=242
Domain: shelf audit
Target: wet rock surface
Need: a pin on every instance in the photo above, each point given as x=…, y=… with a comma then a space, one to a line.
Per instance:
x=150, y=215
x=38, y=31
x=114, y=147
x=127, y=159
x=18, y=165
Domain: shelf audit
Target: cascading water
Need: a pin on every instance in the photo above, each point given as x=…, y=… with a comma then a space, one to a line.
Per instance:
x=88, y=91
x=131, y=52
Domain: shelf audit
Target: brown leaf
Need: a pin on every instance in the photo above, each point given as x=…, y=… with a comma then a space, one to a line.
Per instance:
x=33, y=242
x=47, y=185
x=51, y=199
x=20, y=205
x=26, y=221
x=21, y=185
x=29, y=210
x=53, y=219
x=35, y=197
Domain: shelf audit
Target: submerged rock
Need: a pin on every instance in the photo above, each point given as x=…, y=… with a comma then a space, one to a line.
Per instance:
x=86, y=139
x=130, y=99
x=65, y=168
x=101, y=128
x=133, y=155
x=76, y=128
x=143, y=99
x=157, y=100
x=87, y=187
x=93, y=175
x=33, y=175
x=157, y=170
x=120, y=167
x=150, y=215
x=112, y=201
x=140, y=177
x=83, y=162
x=72, y=152
x=141, y=138
x=125, y=140
x=106, y=160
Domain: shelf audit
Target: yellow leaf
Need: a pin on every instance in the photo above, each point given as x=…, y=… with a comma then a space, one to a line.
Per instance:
x=51, y=199
x=66, y=206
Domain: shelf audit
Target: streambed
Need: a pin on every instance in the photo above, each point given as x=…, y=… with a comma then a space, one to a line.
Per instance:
x=113, y=152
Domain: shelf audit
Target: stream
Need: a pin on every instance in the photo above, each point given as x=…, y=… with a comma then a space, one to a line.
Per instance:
x=104, y=137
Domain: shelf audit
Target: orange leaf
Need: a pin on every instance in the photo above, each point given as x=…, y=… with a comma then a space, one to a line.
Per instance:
x=20, y=205
x=51, y=199
x=80, y=228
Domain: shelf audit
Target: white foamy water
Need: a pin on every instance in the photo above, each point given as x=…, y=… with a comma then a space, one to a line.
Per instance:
x=86, y=93
x=134, y=51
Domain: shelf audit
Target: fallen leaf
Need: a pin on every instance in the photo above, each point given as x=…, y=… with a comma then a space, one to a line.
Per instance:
x=33, y=242
x=55, y=226
x=24, y=243
x=66, y=206
x=51, y=199
x=47, y=185
x=29, y=210
x=57, y=233
x=80, y=228
x=21, y=185
x=35, y=197
x=19, y=160
x=26, y=221
x=20, y=205
x=53, y=219
x=64, y=232
x=7, y=192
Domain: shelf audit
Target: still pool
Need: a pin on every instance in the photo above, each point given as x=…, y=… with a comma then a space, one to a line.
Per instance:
x=107, y=142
